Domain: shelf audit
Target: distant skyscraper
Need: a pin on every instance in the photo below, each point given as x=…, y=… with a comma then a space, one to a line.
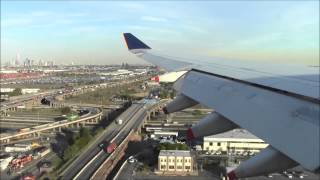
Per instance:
x=40, y=63
x=27, y=62
x=17, y=63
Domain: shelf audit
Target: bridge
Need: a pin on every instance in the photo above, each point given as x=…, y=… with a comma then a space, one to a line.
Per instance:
x=55, y=126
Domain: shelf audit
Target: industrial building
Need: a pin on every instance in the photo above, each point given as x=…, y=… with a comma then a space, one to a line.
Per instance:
x=237, y=141
x=18, y=148
x=176, y=162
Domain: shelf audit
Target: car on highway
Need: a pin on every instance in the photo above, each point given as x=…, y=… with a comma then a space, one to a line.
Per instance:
x=102, y=145
x=131, y=159
x=119, y=121
x=290, y=176
x=298, y=174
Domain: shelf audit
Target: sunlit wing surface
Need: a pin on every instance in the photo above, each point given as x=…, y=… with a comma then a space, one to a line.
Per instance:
x=278, y=103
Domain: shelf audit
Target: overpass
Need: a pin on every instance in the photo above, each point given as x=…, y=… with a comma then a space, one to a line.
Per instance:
x=36, y=130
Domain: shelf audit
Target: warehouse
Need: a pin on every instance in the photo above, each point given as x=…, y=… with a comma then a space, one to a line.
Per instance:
x=237, y=141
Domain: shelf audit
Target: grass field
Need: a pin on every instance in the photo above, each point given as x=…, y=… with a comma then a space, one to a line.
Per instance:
x=104, y=96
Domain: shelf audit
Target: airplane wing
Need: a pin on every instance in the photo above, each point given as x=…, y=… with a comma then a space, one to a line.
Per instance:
x=278, y=103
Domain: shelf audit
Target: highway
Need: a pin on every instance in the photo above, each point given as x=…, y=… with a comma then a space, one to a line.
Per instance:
x=126, y=171
x=111, y=132
x=132, y=125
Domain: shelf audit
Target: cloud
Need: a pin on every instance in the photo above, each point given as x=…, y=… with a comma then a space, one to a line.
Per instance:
x=153, y=19
x=84, y=29
x=152, y=29
x=40, y=13
x=131, y=6
x=16, y=22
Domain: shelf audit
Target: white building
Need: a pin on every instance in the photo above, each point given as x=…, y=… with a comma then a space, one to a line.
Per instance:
x=23, y=91
x=176, y=161
x=18, y=148
x=6, y=90
x=158, y=134
x=234, y=141
x=30, y=90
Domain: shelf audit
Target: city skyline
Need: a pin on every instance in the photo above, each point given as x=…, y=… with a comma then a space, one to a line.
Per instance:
x=91, y=32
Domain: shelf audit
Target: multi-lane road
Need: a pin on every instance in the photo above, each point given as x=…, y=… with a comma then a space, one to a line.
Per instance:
x=91, y=159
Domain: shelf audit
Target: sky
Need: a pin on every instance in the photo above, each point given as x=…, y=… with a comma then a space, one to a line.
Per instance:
x=90, y=32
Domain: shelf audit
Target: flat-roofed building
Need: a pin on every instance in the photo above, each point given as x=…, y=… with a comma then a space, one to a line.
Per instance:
x=176, y=162
x=234, y=141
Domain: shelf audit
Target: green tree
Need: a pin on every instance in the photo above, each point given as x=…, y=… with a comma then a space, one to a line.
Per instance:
x=16, y=92
x=172, y=94
x=163, y=94
x=57, y=162
x=65, y=110
x=84, y=132
x=70, y=152
x=182, y=147
x=196, y=112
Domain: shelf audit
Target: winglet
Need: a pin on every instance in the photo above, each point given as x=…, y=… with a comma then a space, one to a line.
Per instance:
x=133, y=42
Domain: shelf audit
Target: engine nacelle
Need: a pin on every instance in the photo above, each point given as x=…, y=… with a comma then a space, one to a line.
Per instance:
x=267, y=161
x=214, y=123
x=179, y=103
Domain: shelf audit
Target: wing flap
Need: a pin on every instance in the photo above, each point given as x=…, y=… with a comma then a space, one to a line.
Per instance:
x=289, y=124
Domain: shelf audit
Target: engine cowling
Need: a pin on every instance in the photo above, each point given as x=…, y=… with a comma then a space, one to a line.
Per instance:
x=213, y=123
x=179, y=103
x=267, y=161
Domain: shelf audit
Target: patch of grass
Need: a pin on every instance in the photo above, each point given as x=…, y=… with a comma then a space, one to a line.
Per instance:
x=169, y=146
x=104, y=96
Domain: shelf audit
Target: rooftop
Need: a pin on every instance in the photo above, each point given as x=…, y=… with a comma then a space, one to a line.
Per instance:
x=234, y=134
x=174, y=153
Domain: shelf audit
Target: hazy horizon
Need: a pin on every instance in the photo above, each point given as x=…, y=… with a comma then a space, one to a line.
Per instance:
x=86, y=32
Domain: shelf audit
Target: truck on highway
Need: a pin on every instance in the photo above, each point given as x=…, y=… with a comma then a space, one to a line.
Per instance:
x=20, y=162
x=108, y=147
x=119, y=121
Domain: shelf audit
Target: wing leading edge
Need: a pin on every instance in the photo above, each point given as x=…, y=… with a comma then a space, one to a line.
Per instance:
x=297, y=80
